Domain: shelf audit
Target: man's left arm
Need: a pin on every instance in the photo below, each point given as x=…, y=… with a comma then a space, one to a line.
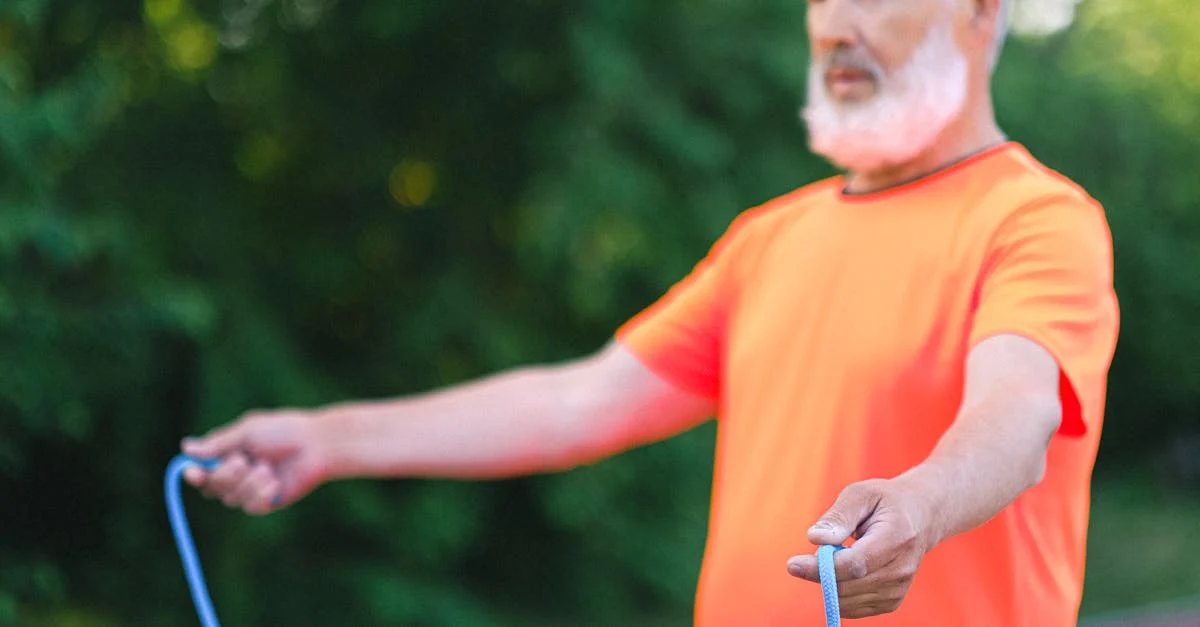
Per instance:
x=995, y=450
x=1042, y=339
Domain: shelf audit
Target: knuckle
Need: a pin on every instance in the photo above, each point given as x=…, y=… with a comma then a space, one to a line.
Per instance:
x=868, y=486
x=854, y=490
x=250, y=416
x=907, y=540
x=858, y=566
x=835, y=518
x=250, y=422
x=261, y=472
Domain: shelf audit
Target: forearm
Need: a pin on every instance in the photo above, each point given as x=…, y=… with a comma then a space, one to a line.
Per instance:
x=509, y=424
x=993, y=453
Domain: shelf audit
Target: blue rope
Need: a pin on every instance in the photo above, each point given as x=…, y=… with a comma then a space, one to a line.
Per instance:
x=208, y=617
x=183, y=536
x=833, y=611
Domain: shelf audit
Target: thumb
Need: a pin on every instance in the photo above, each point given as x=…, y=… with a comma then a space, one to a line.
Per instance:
x=853, y=506
x=215, y=444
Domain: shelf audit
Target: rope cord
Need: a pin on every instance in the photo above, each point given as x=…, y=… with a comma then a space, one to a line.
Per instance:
x=833, y=611
x=208, y=616
x=183, y=536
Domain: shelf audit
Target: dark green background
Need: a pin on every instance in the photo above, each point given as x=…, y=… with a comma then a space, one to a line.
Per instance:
x=207, y=208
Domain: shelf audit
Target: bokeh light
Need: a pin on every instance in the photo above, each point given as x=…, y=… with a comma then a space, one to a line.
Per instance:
x=412, y=183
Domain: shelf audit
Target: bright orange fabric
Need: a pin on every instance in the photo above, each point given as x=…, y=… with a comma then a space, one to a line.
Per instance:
x=832, y=331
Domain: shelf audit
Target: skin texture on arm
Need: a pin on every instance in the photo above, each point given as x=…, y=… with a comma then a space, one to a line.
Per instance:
x=995, y=450
x=524, y=421
x=997, y=447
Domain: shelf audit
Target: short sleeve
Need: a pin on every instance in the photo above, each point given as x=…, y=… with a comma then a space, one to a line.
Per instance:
x=680, y=337
x=1049, y=277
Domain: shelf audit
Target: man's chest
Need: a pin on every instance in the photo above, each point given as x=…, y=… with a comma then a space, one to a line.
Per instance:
x=888, y=305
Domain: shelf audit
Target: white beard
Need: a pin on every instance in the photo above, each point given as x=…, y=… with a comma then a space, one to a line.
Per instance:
x=912, y=106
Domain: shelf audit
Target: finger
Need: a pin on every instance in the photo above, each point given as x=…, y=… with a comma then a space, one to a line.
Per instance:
x=858, y=562
x=221, y=482
x=853, y=506
x=804, y=567
x=258, y=476
x=847, y=565
x=859, y=598
x=869, y=604
x=868, y=610
x=194, y=475
x=870, y=586
x=265, y=500
x=880, y=548
x=216, y=443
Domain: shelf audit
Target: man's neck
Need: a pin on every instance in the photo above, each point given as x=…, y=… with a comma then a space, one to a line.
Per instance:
x=942, y=154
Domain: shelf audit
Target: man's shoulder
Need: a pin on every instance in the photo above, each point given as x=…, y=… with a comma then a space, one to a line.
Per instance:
x=1024, y=181
x=766, y=217
x=1029, y=203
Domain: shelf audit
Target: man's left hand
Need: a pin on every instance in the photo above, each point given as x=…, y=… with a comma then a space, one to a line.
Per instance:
x=892, y=523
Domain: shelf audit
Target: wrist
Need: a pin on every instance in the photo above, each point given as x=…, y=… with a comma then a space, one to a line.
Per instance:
x=332, y=442
x=926, y=484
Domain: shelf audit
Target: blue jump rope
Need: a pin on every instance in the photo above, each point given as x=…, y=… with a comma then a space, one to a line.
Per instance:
x=204, y=606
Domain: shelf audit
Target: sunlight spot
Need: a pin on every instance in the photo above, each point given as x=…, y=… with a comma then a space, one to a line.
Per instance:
x=1041, y=18
x=412, y=183
x=192, y=46
x=162, y=12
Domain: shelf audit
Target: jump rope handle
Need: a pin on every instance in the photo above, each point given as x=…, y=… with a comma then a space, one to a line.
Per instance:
x=183, y=535
x=833, y=611
x=208, y=616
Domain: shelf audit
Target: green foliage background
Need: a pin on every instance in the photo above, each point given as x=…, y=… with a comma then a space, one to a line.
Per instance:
x=212, y=207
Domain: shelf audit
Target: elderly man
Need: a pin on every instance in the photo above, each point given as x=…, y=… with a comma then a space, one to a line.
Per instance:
x=910, y=359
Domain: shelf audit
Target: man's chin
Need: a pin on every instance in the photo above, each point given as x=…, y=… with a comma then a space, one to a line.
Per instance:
x=850, y=160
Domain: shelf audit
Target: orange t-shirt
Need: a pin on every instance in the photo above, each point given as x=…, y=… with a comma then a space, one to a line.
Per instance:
x=832, y=331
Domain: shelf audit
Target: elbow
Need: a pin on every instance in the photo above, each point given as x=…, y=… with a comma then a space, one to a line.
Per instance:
x=593, y=419
x=1049, y=415
x=543, y=434
x=568, y=440
x=1037, y=471
x=584, y=433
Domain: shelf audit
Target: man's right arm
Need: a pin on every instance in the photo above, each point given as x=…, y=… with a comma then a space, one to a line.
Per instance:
x=525, y=421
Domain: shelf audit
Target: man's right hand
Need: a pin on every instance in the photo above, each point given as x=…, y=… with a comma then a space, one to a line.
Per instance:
x=267, y=460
